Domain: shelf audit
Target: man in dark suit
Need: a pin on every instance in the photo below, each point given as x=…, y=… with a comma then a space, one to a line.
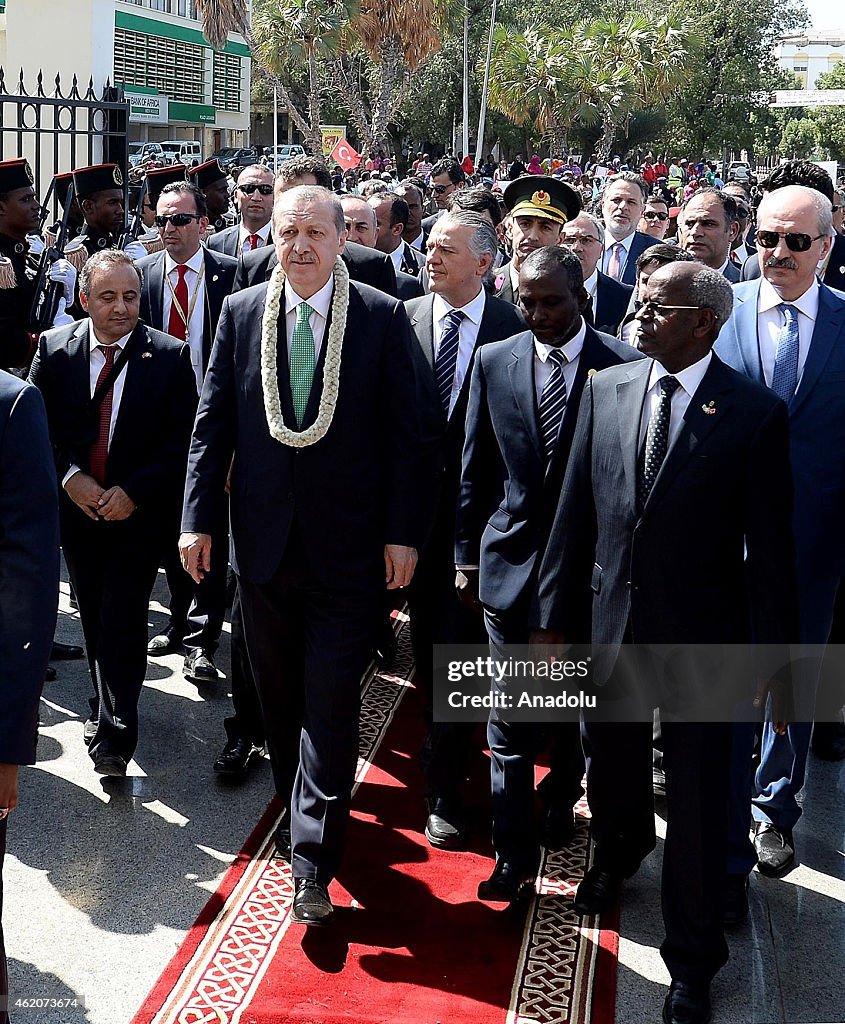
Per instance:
x=528, y=227
x=362, y=228
x=622, y=205
x=450, y=324
x=447, y=177
x=787, y=331
x=608, y=298
x=120, y=401
x=707, y=226
x=520, y=423
x=392, y=214
x=29, y=555
x=182, y=294
x=673, y=527
x=254, y=200
x=414, y=234
x=312, y=565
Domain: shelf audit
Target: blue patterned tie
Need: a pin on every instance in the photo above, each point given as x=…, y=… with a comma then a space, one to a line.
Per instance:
x=785, y=374
x=447, y=356
x=553, y=402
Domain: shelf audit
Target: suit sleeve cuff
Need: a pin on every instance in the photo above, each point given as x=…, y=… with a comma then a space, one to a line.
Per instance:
x=74, y=469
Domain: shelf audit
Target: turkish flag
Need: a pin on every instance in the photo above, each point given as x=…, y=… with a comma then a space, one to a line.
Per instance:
x=345, y=155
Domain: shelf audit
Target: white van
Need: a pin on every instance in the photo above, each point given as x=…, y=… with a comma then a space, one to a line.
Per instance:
x=184, y=150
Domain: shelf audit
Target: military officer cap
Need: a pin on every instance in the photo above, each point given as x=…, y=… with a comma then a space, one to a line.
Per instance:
x=158, y=177
x=15, y=174
x=206, y=174
x=540, y=195
x=99, y=178
x=62, y=183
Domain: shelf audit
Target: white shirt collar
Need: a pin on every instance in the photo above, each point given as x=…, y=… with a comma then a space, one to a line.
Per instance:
x=120, y=343
x=592, y=283
x=689, y=378
x=194, y=263
x=808, y=303
x=261, y=232
x=473, y=310
x=610, y=241
x=397, y=255
x=572, y=348
x=722, y=268
x=320, y=301
x=419, y=241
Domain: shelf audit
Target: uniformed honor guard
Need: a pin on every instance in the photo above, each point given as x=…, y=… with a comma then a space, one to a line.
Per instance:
x=214, y=182
x=100, y=193
x=75, y=219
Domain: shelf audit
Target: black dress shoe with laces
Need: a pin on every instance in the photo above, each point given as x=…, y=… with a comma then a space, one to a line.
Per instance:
x=444, y=826
x=236, y=756
x=507, y=884
x=168, y=642
x=557, y=827
x=598, y=892
x=687, y=1004
x=199, y=667
x=111, y=765
x=735, y=901
x=775, y=849
x=66, y=652
x=311, y=903
x=283, y=842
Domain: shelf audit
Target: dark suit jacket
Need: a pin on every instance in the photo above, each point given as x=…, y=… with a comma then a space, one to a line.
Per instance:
x=611, y=303
x=817, y=425
x=349, y=494
x=29, y=564
x=413, y=260
x=149, y=447
x=429, y=222
x=834, y=275
x=219, y=278
x=408, y=287
x=368, y=266
x=678, y=572
x=641, y=242
x=228, y=241
x=507, y=497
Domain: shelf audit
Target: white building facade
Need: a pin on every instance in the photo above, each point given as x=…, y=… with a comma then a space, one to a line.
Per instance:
x=810, y=54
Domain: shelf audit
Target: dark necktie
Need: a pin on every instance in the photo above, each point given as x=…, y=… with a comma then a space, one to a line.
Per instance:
x=553, y=403
x=177, y=324
x=447, y=356
x=100, y=448
x=656, y=440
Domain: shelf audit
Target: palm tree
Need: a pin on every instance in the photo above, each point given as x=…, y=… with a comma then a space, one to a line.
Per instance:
x=220, y=17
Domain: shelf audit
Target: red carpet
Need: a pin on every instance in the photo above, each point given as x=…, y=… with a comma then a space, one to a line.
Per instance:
x=410, y=942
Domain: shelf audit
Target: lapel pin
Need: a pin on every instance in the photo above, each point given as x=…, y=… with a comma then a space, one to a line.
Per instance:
x=591, y=373
x=146, y=355
x=709, y=408
x=216, y=277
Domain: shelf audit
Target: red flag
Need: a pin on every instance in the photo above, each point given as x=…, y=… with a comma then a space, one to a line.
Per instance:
x=345, y=155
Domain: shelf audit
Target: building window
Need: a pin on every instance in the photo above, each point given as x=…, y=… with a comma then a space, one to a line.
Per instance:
x=227, y=82
x=170, y=66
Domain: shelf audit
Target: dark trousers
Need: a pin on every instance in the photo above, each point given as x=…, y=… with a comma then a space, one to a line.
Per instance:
x=697, y=758
x=309, y=647
x=113, y=568
x=4, y=976
x=246, y=723
x=514, y=747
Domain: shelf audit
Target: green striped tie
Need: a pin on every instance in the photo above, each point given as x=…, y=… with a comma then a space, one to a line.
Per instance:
x=302, y=361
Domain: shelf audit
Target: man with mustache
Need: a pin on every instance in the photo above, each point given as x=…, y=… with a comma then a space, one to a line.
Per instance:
x=788, y=331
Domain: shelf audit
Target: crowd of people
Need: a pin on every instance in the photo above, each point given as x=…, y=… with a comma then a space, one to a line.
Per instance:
x=538, y=403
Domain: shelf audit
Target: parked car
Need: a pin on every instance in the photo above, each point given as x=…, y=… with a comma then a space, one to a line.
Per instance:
x=286, y=152
x=738, y=170
x=141, y=151
x=241, y=157
x=185, y=150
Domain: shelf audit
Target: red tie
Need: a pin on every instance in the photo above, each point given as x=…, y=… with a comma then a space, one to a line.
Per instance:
x=100, y=448
x=177, y=324
x=254, y=242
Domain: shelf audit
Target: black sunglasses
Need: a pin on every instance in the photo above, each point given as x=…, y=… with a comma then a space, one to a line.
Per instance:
x=438, y=190
x=796, y=241
x=250, y=187
x=178, y=220
x=654, y=215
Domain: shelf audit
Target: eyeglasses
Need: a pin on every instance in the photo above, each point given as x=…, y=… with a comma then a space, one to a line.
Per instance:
x=438, y=190
x=583, y=239
x=796, y=241
x=743, y=213
x=654, y=215
x=835, y=209
x=250, y=187
x=655, y=309
x=178, y=220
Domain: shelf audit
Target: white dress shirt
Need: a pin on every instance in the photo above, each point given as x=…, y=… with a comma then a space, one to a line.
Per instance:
x=397, y=255
x=591, y=284
x=419, y=241
x=473, y=312
x=244, y=233
x=196, y=324
x=543, y=366
x=320, y=303
x=770, y=320
x=689, y=379
x=96, y=361
x=607, y=255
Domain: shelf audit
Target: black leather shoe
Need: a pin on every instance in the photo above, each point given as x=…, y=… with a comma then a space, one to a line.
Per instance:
x=444, y=827
x=507, y=884
x=829, y=741
x=687, y=1004
x=111, y=765
x=557, y=827
x=66, y=652
x=89, y=731
x=735, y=901
x=236, y=757
x=775, y=849
x=50, y=674
x=311, y=903
x=199, y=667
x=598, y=892
x=168, y=642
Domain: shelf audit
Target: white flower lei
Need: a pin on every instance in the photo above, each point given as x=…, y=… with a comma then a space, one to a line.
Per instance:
x=331, y=366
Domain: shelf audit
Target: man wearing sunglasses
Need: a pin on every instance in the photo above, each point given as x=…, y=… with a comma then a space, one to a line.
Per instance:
x=182, y=294
x=447, y=176
x=655, y=218
x=254, y=200
x=788, y=331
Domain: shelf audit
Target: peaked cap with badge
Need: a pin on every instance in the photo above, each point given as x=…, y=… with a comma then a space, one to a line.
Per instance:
x=15, y=174
x=541, y=195
x=87, y=181
x=206, y=174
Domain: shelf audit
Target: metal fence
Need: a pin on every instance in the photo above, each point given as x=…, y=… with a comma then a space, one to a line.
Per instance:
x=58, y=132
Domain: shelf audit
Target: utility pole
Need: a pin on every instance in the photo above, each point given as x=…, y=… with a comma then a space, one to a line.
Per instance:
x=466, y=79
x=482, y=114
